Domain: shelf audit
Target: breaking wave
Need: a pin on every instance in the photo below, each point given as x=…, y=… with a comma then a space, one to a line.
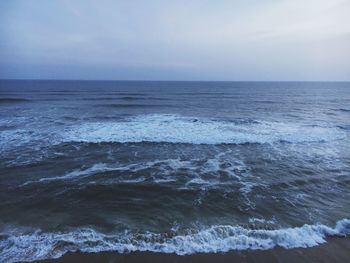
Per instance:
x=220, y=238
x=178, y=129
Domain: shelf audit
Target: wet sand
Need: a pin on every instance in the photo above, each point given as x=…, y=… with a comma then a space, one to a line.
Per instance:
x=334, y=251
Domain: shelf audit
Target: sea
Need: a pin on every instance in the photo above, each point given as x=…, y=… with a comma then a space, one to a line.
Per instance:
x=171, y=167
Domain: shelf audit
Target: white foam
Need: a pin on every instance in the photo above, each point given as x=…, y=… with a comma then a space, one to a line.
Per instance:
x=255, y=220
x=178, y=129
x=220, y=238
x=166, y=170
x=96, y=168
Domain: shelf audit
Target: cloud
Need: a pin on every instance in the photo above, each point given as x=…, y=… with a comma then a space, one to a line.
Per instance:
x=286, y=39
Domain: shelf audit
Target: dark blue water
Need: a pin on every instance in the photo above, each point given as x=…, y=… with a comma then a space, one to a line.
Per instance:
x=174, y=167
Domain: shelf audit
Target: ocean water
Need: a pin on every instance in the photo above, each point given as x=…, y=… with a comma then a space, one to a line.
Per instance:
x=173, y=167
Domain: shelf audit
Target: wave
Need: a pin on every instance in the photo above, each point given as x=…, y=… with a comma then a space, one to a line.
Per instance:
x=178, y=129
x=116, y=105
x=12, y=100
x=141, y=98
x=222, y=169
x=345, y=127
x=342, y=109
x=218, y=238
x=265, y=101
x=126, y=98
x=97, y=168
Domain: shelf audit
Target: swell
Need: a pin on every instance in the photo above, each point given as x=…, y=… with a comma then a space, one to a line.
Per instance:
x=342, y=110
x=38, y=245
x=12, y=100
x=117, y=105
x=344, y=127
x=126, y=98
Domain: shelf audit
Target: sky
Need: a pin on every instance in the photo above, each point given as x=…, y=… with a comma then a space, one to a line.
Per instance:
x=249, y=40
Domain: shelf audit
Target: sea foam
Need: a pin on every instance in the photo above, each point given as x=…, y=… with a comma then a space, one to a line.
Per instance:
x=222, y=168
x=220, y=238
x=179, y=129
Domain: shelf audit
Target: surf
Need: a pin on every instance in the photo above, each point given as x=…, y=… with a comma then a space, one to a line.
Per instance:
x=192, y=130
x=40, y=245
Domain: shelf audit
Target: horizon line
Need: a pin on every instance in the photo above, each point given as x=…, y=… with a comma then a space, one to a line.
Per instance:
x=157, y=80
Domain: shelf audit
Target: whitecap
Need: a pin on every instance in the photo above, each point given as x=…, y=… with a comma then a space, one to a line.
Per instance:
x=179, y=129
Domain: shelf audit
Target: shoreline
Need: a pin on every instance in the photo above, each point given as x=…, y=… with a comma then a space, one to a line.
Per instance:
x=337, y=249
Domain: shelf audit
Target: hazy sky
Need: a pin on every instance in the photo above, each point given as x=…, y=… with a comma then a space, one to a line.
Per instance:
x=175, y=40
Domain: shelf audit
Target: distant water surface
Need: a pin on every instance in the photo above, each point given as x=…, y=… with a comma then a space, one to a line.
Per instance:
x=174, y=167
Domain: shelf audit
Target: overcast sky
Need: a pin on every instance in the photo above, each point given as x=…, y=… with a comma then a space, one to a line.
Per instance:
x=175, y=40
